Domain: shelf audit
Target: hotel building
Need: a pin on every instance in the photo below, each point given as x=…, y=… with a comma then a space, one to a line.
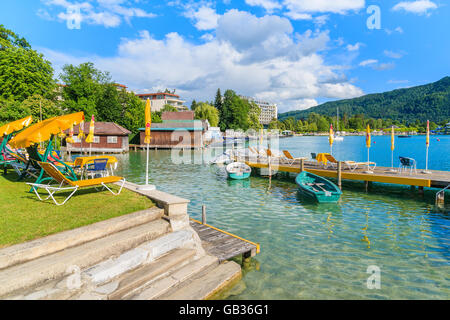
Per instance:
x=160, y=99
x=269, y=111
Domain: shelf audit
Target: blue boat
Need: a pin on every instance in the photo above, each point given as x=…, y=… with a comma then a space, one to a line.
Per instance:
x=318, y=187
x=238, y=170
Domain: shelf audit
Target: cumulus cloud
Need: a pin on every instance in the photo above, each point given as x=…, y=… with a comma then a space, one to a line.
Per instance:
x=302, y=104
x=354, y=47
x=269, y=5
x=418, y=7
x=205, y=17
x=368, y=62
x=300, y=9
x=108, y=13
x=269, y=61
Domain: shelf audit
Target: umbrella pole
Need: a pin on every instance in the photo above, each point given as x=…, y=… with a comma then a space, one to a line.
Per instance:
x=90, y=149
x=146, y=168
x=426, y=164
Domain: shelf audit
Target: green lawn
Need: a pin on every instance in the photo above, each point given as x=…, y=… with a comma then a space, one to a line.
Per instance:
x=23, y=217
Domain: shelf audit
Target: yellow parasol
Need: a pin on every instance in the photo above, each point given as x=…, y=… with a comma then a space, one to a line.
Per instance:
x=368, y=143
x=427, y=142
x=70, y=138
x=148, y=121
x=15, y=126
x=331, y=137
x=392, y=139
x=80, y=130
x=43, y=131
x=90, y=137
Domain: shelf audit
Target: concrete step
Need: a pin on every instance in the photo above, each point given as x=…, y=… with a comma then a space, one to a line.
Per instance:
x=206, y=285
x=130, y=283
x=60, y=264
x=27, y=251
x=177, y=277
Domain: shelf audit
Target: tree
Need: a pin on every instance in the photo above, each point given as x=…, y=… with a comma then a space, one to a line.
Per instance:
x=84, y=87
x=169, y=108
x=218, y=101
x=234, y=113
x=253, y=116
x=109, y=108
x=9, y=39
x=38, y=105
x=194, y=105
x=205, y=111
x=24, y=72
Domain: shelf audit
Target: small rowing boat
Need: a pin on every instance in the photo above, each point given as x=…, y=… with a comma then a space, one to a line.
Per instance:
x=238, y=170
x=318, y=187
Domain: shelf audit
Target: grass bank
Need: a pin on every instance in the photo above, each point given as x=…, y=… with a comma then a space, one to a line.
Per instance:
x=23, y=217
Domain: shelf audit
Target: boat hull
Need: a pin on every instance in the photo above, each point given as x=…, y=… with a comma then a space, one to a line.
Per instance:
x=238, y=171
x=318, y=188
x=238, y=176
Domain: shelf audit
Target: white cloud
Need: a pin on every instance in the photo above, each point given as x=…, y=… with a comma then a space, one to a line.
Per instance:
x=269, y=5
x=302, y=104
x=205, y=17
x=268, y=61
x=418, y=7
x=398, y=30
x=368, y=62
x=108, y=13
x=354, y=47
x=393, y=55
x=300, y=9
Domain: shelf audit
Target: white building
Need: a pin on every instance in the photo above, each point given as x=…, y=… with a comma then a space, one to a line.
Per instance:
x=269, y=111
x=160, y=99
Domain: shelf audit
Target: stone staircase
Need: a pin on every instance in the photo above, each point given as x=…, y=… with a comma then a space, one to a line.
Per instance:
x=143, y=255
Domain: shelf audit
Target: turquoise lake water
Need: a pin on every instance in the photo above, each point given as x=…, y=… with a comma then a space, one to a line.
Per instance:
x=312, y=251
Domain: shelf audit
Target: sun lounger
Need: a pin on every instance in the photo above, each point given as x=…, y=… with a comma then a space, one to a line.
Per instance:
x=351, y=165
x=290, y=159
x=73, y=186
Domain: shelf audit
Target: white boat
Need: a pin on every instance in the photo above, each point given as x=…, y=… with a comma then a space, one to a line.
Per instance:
x=238, y=170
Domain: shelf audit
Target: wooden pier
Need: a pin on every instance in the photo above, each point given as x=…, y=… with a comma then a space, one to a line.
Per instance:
x=222, y=244
x=340, y=171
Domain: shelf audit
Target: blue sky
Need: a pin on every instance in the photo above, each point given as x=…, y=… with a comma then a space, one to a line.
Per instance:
x=296, y=53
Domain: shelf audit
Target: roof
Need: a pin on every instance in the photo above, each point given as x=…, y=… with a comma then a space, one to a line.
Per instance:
x=181, y=115
x=103, y=128
x=194, y=125
x=157, y=93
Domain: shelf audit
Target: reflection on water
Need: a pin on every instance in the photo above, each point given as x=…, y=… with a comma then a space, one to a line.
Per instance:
x=312, y=251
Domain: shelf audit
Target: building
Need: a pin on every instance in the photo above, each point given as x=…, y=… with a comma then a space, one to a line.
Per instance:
x=109, y=137
x=269, y=111
x=160, y=99
x=178, y=130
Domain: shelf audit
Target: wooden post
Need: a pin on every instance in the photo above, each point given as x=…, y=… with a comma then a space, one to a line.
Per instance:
x=339, y=174
x=203, y=214
x=302, y=165
x=246, y=258
x=421, y=192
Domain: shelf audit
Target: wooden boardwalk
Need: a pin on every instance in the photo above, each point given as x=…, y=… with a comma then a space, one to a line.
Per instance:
x=434, y=179
x=222, y=244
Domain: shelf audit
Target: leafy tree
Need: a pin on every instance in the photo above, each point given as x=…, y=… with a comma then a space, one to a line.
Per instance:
x=218, y=101
x=24, y=72
x=9, y=39
x=109, y=107
x=234, y=113
x=207, y=112
x=253, y=116
x=169, y=108
x=194, y=105
x=84, y=87
x=38, y=106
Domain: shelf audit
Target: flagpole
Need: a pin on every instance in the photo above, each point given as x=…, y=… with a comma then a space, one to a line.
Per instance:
x=146, y=170
x=428, y=145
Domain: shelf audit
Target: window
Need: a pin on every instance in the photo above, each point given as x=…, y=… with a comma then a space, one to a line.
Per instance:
x=112, y=139
x=96, y=139
x=75, y=139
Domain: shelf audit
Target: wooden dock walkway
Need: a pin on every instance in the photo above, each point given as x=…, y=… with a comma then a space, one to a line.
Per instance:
x=434, y=179
x=222, y=244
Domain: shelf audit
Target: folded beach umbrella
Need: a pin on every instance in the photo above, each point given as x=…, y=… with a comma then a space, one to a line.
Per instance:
x=148, y=122
x=331, y=138
x=44, y=130
x=90, y=137
x=15, y=126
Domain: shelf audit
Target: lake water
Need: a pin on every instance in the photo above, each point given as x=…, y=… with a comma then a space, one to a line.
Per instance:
x=312, y=251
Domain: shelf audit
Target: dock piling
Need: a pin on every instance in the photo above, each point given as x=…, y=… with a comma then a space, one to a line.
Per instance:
x=203, y=214
x=339, y=174
x=302, y=165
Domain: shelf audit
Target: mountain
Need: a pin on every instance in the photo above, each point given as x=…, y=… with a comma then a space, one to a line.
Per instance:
x=426, y=102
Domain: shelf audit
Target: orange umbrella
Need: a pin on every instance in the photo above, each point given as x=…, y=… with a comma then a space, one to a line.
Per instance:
x=15, y=126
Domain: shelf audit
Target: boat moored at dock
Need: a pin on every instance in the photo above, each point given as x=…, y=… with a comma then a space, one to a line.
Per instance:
x=317, y=187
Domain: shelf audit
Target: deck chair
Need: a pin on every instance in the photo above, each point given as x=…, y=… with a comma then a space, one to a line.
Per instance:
x=351, y=165
x=290, y=159
x=407, y=163
x=73, y=186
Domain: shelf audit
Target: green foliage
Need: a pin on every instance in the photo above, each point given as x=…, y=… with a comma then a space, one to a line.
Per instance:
x=193, y=105
x=205, y=111
x=253, y=116
x=427, y=102
x=24, y=72
x=234, y=113
x=9, y=39
x=38, y=105
x=168, y=108
x=218, y=101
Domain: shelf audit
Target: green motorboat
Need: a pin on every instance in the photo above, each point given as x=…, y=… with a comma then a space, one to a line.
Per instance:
x=317, y=187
